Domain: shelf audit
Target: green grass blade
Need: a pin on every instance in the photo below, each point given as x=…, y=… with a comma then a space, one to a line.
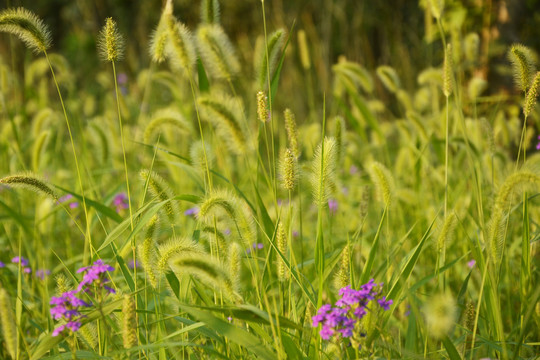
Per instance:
x=233, y=333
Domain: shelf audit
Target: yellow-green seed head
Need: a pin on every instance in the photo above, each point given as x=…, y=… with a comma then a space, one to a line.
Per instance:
x=523, y=65
x=532, y=94
x=110, y=42
x=26, y=26
x=29, y=181
x=235, y=263
x=289, y=170
x=281, y=240
x=292, y=132
x=440, y=312
x=448, y=85
x=304, y=50
x=9, y=327
x=129, y=323
x=262, y=107
x=436, y=7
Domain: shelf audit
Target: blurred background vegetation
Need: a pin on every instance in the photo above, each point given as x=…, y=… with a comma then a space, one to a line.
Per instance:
x=398, y=33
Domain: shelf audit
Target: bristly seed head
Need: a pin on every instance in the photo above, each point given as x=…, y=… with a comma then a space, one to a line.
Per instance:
x=262, y=107
x=110, y=42
x=27, y=26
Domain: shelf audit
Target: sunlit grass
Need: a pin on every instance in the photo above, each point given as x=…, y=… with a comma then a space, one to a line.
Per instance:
x=182, y=213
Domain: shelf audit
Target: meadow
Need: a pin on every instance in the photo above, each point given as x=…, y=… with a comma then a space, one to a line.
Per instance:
x=204, y=193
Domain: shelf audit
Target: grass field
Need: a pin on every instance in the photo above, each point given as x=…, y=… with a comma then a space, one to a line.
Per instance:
x=272, y=195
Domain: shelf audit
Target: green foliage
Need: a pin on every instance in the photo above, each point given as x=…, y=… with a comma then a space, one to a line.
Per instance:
x=219, y=251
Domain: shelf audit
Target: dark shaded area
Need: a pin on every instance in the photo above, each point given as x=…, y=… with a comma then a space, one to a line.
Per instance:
x=369, y=32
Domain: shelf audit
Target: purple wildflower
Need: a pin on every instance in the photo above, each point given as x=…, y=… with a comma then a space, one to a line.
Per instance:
x=122, y=78
x=333, y=206
x=120, y=201
x=94, y=274
x=65, y=198
x=2, y=264
x=74, y=205
x=349, y=309
x=385, y=304
x=326, y=332
x=23, y=261
x=353, y=170
x=192, y=211
x=471, y=263
x=41, y=273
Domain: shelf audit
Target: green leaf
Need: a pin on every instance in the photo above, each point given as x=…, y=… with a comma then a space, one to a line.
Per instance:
x=366, y=273
x=233, y=333
x=450, y=349
x=204, y=84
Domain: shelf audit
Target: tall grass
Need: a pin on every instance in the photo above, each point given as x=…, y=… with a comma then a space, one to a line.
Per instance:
x=247, y=229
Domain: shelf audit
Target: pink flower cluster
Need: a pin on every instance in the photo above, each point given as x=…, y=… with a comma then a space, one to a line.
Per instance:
x=68, y=306
x=353, y=305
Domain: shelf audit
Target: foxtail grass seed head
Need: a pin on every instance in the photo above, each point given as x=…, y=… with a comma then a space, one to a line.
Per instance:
x=30, y=182
x=208, y=270
x=62, y=284
x=523, y=65
x=161, y=191
x=235, y=263
x=323, y=175
x=27, y=27
x=389, y=77
x=180, y=48
x=129, y=323
x=471, y=46
x=292, y=132
x=289, y=170
x=163, y=117
x=200, y=156
x=343, y=276
x=266, y=57
x=384, y=182
x=448, y=85
x=262, y=107
x=281, y=240
x=436, y=7
x=110, y=42
x=147, y=251
x=440, y=313
x=339, y=135
x=210, y=12
x=447, y=232
x=217, y=52
x=476, y=87
x=532, y=94
x=159, y=38
x=9, y=327
x=303, y=49
x=225, y=113
x=175, y=246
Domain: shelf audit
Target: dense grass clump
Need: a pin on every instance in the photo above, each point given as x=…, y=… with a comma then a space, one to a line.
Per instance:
x=257, y=196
